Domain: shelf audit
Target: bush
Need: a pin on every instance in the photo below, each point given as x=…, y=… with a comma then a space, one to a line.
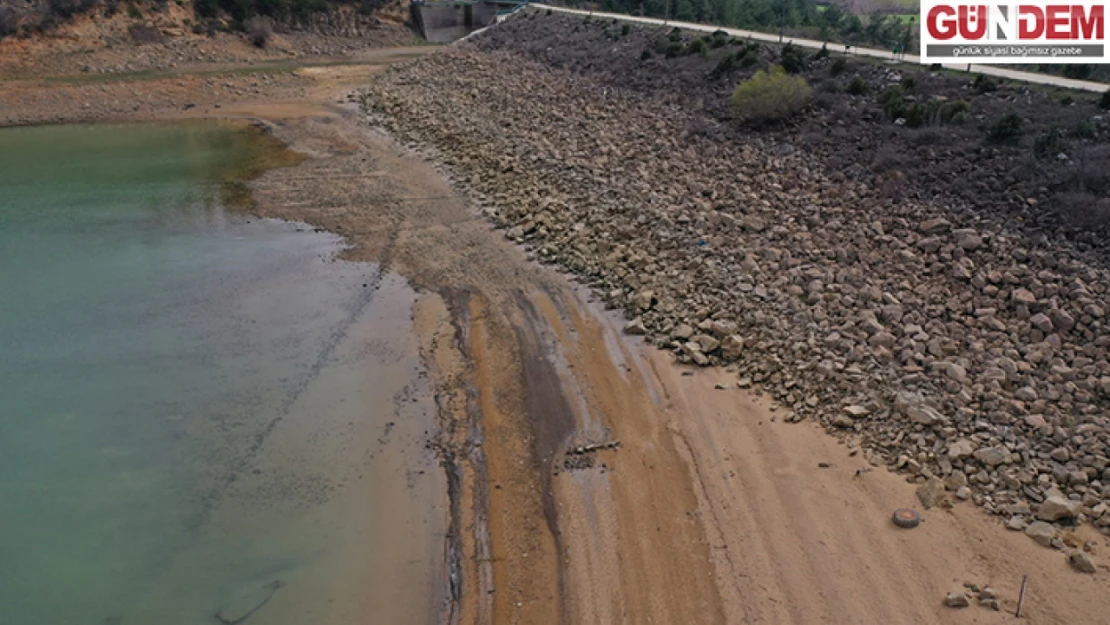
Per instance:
x=676, y=34
x=822, y=53
x=1008, y=129
x=954, y=112
x=625, y=29
x=893, y=102
x=726, y=65
x=984, y=84
x=1104, y=103
x=259, y=30
x=206, y=8
x=1067, y=100
x=673, y=50
x=771, y=95
x=792, y=58
x=646, y=54
x=1050, y=143
x=839, y=66
x=719, y=39
x=133, y=12
x=8, y=24
x=923, y=114
x=858, y=86
x=909, y=83
x=1078, y=72
x=749, y=55
x=699, y=47
x=1084, y=130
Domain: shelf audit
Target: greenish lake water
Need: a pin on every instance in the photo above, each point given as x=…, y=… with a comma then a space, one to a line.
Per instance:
x=195, y=404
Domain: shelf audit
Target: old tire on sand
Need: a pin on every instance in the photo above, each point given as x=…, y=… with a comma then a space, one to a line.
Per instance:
x=907, y=518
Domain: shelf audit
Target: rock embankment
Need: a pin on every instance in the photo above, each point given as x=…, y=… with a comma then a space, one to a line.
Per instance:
x=940, y=345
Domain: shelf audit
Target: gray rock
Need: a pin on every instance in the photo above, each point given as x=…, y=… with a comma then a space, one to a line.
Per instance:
x=961, y=449
x=923, y=414
x=956, y=600
x=732, y=346
x=931, y=492
x=706, y=342
x=636, y=326
x=1042, y=533
x=992, y=456
x=1057, y=507
x=1081, y=562
x=934, y=226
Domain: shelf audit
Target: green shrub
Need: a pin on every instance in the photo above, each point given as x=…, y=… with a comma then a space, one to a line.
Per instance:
x=676, y=34
x=893, y=102
x=625, y=29
x=954, y=112
x=839, y=66
x=1104, y=103
x=646, y=54
x=822, y=53
x=922, y=114
x=719, y=39
x=727, y=64
x=548, y=12
x=909, y=83
x=858, y=86
x=134, y=13
x=699, y=47
x=749, y=55
x=771, y=95
x=792, y=58
x=1008, y=129
x=1078, y=72
x=984, y=84
x=673, y=49
x=1050, y=143
x=1084, y=130
x=1067, y=100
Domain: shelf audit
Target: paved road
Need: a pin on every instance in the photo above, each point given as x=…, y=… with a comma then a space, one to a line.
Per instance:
x=1031, y=77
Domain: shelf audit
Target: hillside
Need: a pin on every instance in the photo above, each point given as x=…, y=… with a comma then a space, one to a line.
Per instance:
x=104, y=36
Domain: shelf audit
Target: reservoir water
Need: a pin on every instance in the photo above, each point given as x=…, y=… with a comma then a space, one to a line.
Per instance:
x=199, y=411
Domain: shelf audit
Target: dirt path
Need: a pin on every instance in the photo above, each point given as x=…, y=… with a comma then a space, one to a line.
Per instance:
x=710, y=510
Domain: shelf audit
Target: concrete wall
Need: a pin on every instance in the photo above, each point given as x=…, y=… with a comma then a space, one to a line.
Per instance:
x=441, y=22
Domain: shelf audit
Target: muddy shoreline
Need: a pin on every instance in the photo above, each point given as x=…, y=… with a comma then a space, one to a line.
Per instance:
x=712, y=510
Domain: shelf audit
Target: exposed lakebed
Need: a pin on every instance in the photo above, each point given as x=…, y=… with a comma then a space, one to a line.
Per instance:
x=200, y=411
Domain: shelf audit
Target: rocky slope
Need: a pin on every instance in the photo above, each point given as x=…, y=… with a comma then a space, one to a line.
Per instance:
x=971, y=355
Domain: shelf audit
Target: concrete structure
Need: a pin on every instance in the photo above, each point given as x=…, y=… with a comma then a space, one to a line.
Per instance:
x=441, y=21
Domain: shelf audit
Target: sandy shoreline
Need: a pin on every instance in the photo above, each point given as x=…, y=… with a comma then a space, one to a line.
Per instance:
x=711, y=510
